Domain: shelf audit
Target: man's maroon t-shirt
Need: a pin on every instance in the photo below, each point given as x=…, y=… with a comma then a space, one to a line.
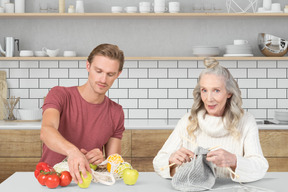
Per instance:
x=85, y=125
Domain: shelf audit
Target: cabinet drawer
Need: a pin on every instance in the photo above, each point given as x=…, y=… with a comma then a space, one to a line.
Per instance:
x=20, y=143
x=126, y=144
x=274, y=143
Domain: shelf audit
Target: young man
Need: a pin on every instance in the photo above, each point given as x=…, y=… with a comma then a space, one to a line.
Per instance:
x=79, y=121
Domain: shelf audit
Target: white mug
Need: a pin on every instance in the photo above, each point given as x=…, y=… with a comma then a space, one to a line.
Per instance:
x=3, y=2
x=1, y=9
x=160, y=9
x=19, y=6
x=144, y=7
x=240, y=42
x=131, y=9
x=275, y=7
x=79, y=6
x=159, y=3
x=174, y=7
x=267, y=4
x=9, y=7
x=116, y=9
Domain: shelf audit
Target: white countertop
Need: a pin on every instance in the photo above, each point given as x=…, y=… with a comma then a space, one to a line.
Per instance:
x=147, y=182
x=129, y=124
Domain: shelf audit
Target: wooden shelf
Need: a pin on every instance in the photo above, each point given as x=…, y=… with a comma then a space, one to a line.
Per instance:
x=141, y=58
x=17, y=15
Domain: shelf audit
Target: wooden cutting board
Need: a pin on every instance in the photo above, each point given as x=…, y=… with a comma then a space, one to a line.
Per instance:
x=3, y=94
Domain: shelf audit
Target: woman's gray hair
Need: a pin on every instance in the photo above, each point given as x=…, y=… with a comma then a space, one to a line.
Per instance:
x=233, y=110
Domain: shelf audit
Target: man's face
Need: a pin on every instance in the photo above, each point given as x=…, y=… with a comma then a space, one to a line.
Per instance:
x=102, y=73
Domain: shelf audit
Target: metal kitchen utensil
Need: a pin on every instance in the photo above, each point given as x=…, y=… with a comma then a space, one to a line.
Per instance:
x=9, y=47
x=272, y=46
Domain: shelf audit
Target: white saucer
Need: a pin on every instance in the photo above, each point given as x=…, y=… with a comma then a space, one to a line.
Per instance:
x=270, y=12
x=238, y=55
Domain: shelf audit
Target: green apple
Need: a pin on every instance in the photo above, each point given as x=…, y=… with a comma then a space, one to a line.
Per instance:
x=122, y=167
x=85, y=181
x=130, y=176
x=92, y=166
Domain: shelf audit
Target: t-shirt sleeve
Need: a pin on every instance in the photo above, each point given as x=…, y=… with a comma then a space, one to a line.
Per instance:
x=54, y=99
x=119, y=125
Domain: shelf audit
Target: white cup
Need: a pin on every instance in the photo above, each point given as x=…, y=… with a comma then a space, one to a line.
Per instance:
x=9, y=7
x=174, y=7
x=261, y=9
x=79, y=6
x=159, y=3
x=144, y=7
x=69, y=54
x=160, y=9
x=3, y=2
x=131, y=9
x=145, y=4
x=19, y=6
x=116, y=9
x=276, y=7
x=1, y=9
x=240, y=42
x=267, y=4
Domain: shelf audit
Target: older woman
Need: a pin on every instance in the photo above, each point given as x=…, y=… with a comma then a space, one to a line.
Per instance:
x=216, y=119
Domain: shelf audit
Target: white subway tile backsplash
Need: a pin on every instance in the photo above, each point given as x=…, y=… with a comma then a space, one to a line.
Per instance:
x=49, y=64
x=167, y=83
x=9, y=64
x=277, y=93
x=114, y=85
x=48, y=83
x=167, y=103
x=148, y=103
x=158, y=93
x=124, y=74
x=128, y=83
x=148, y=83
x=29, y=64
x=38, y=73
x=257, y=73
x=249, y=103
x=187, y=64
x=138, y=73
x=28, y=83
x=167, y=64
x=282, y=83
x=176, y=113
x=266, y=83
x=118, y=93
x=177, y=93
x=266, y=103
x=138, y=93
x=83, y=81
x=129, y=103
x=258, y=113
x=187, y=83
x=257, y=93
x=194, y=73
x=157, y=113
x=38, y=93
x=282, y=103
x=228, y=64
x=68, y=82
x=267, y=64
x=29, y=103
x=185, y=103
x=22, y=93
x=130, y=64
x=277, y=73
x=239, y=73
x=78, y=73
x=82, y=64
x=148, y=64
x=247, y=83
x=157, y=73
x=178, y=73
x=190, y=93
x=282, y=64
x=19, y=73
x=58, y=73
x=68, y=64
x=138, y=113
x=247, y=64
x=243, y=93
x=13, y=83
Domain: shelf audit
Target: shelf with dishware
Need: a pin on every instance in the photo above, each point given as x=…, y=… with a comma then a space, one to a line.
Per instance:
x=17, y=15
x=144, y=58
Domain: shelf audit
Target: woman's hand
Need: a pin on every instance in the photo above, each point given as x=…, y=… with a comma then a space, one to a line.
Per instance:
x=222, y=158
x=95, y=156
x=181, y=156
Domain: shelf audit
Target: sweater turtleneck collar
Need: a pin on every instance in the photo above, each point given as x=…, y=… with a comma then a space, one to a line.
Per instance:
x=211, y=125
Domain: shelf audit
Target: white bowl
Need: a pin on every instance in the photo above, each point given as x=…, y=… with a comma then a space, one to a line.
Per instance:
x=30, y=114
x=40, y=54
x=26, y=53
x=206, y=51
x=69, y=54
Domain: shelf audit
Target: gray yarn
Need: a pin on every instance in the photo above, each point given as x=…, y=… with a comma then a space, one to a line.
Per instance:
x=196, y=175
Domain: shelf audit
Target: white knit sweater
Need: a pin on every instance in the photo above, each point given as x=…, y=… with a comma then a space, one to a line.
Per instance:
x=251, y=164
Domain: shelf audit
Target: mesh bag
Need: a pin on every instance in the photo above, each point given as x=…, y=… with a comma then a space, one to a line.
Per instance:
x=196, y=175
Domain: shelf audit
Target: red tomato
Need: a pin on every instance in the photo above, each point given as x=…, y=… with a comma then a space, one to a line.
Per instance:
x=52, y=181
x=40, y=166
x=36, y=173
x=65, y=178
x=42, y=178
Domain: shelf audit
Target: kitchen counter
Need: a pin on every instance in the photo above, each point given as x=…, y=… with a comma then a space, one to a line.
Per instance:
x=130, y=124
x=147, y=181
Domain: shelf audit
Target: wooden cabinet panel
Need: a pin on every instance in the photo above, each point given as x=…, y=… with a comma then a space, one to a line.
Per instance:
x=126, y=144
x=278, y=164
x=8, y=166
x=20, y=143
x=274, y=143
x=143, y=164
x=147, y=143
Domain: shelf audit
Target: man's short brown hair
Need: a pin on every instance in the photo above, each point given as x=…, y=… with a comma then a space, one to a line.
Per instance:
x=110, y=51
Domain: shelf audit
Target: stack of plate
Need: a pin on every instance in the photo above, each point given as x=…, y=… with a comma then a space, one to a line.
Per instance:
x=281, y=116
x=244, y=50
x=205, y=51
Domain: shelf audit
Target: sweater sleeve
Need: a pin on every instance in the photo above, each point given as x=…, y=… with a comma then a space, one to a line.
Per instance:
x=253, y=165
x=172, y=144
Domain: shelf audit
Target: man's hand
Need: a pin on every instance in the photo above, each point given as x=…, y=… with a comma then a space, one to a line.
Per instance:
x=95, y=156
x=77, y=162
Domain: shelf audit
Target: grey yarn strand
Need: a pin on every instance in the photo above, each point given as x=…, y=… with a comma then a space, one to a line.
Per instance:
x=196, y=175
